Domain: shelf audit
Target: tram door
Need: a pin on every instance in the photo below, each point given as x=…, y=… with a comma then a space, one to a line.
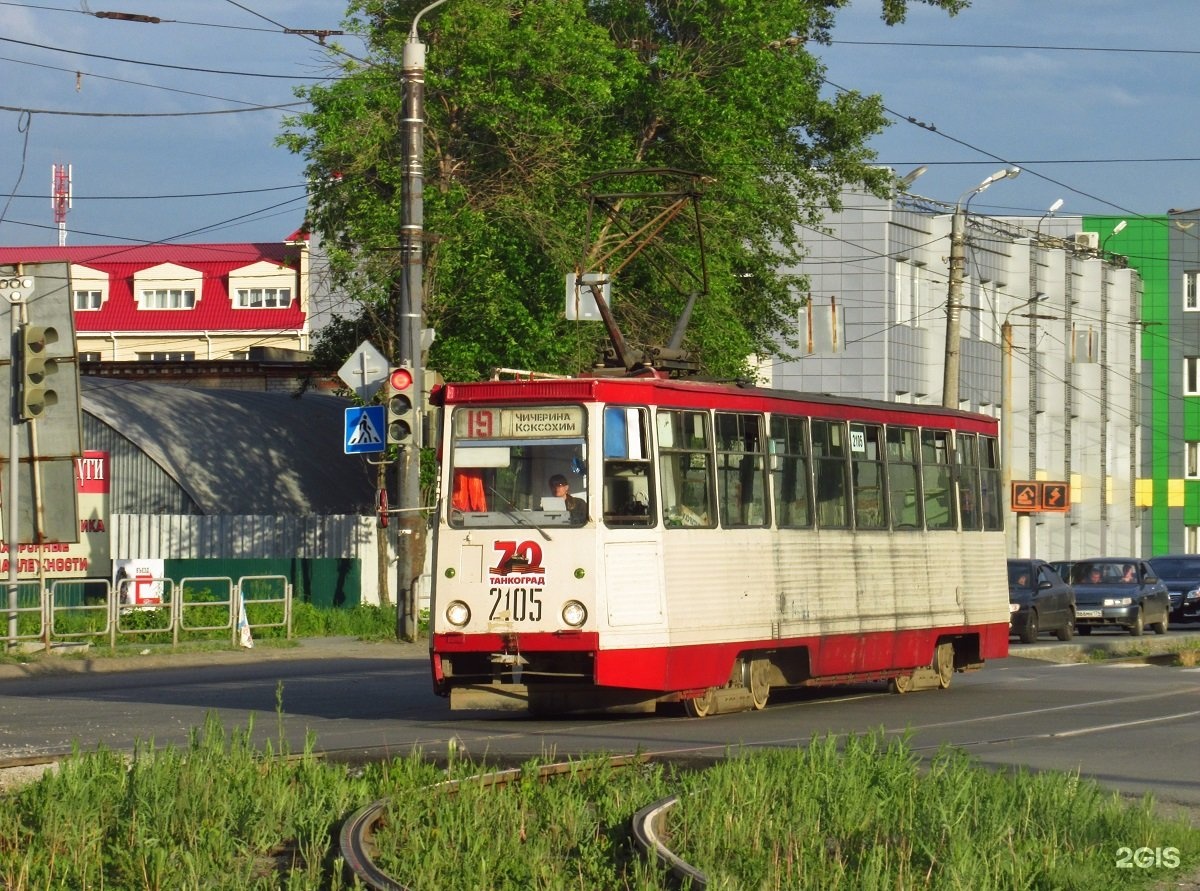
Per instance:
x=631, y=535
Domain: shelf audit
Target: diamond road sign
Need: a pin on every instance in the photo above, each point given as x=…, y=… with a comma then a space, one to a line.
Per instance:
x=364, y=430
x=365, y=371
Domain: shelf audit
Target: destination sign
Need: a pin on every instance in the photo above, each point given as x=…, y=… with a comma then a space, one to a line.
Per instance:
x=519, y=423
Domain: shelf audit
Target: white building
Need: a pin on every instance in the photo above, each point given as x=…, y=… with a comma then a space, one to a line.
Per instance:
x=879, y=285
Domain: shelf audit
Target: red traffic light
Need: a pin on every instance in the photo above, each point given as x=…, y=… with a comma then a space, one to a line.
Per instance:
x=400, y=379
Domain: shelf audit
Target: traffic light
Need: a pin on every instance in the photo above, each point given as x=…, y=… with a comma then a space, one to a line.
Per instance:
x=37, y=371
x=401, y=407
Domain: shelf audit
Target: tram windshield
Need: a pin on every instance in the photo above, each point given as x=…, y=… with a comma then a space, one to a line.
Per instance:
x=519, y=466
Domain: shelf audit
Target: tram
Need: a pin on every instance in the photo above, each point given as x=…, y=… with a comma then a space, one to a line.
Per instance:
x=711, y=543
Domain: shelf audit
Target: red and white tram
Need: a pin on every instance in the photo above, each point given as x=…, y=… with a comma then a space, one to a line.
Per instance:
x=711, y=543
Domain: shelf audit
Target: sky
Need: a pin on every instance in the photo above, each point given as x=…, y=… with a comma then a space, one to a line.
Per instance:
x=128, y=105
x=1097, y=100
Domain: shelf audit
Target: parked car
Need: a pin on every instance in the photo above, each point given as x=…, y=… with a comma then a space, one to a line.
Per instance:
x=1122, y=592
x=1181, y=574
x=1038, y=600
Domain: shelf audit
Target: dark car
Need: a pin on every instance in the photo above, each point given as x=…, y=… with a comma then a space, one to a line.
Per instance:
x=1121, y=592
x=1063, y=568
x=1181, y=574
x=1038, y=600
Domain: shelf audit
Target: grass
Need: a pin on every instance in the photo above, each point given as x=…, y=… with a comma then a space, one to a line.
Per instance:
x=860, y=813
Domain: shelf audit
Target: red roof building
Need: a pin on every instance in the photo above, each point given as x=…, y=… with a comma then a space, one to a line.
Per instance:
x=183, y=302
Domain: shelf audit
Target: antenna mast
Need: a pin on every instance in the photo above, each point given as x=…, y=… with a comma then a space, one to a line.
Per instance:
x=60, y=199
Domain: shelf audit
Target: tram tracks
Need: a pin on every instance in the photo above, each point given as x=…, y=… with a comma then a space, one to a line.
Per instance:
x=358, y=833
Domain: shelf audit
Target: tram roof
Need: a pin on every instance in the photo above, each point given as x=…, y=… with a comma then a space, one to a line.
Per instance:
x=691, y=393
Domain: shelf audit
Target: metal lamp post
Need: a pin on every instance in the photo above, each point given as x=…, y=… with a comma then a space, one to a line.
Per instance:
x=958, y=262
x=409, y=543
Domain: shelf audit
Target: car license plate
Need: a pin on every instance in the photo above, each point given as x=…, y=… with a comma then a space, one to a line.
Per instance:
x=1088, y=613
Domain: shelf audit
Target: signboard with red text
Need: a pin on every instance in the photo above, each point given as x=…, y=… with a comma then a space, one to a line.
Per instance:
x=89, y=557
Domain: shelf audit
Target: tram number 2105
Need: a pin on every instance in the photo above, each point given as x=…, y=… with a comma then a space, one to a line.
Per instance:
x=516, y=604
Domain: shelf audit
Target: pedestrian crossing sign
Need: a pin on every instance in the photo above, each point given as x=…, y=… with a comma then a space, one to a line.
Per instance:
x=364, y=430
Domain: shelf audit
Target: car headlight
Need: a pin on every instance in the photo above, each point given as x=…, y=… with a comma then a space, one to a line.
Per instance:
x=574, y=613
x=458, y=613
x=1118, y=601
x=1193, y=594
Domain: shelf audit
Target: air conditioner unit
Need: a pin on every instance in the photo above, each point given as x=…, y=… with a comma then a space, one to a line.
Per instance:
x=1088, y=241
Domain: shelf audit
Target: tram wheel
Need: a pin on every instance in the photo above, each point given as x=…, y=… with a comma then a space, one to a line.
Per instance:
x=702, y=705
x=901, y=683
x=943, y=664
x=759, y=683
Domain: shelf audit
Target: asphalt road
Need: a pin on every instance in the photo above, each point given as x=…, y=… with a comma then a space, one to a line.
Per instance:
x=1132, y=726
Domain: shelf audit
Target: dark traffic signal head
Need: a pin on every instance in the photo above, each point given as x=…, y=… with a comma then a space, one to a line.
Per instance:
x=37, y=371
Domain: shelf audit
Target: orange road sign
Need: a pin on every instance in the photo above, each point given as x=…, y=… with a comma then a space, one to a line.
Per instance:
x=1056, y=497
x=1025, y=496
x=1034, y=496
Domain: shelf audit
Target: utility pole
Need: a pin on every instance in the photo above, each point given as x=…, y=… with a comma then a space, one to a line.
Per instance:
x=958, y=264
x=410, y=542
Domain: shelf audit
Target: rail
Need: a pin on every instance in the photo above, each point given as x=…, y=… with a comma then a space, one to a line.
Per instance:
x=357, y=836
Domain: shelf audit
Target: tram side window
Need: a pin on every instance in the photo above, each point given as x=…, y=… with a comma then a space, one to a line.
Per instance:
x=685, y=468
x=992, y=496
x=628, y=482
x=741, y=470
x=830, y=466
x=866, y=469
x=937, y=480
x=789, y=471
x=968, y=481
x=904, y=478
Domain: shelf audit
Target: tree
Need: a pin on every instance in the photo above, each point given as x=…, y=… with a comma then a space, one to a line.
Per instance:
x=525, y=103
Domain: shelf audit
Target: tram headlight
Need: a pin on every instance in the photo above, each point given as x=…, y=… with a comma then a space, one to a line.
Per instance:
x=458, y=613
x=574, y=613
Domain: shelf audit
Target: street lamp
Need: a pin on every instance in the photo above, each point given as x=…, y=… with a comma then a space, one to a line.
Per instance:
x=1116, y=229
x=958, y=262
x=911, y=177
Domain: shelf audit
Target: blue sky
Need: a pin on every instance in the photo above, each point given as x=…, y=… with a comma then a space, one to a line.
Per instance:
x=191, y=178
x=1092, y=125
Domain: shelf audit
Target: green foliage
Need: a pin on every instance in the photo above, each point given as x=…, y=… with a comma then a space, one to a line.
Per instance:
x=525, y=104
x=858, y=813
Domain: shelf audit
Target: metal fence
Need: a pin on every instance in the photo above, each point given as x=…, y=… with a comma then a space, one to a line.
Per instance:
x=90, y=610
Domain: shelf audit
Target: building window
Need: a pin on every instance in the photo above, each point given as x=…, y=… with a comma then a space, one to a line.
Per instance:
x=263, y=298
x=1191, y=539
x=1191, y=460
x=166, y=357
x=1191, y=291
x=85, y=300
x=1191, y=376
x=168, y=298
x=89, y=357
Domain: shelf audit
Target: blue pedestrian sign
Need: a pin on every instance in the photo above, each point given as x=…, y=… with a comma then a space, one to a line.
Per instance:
x=364, y=430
